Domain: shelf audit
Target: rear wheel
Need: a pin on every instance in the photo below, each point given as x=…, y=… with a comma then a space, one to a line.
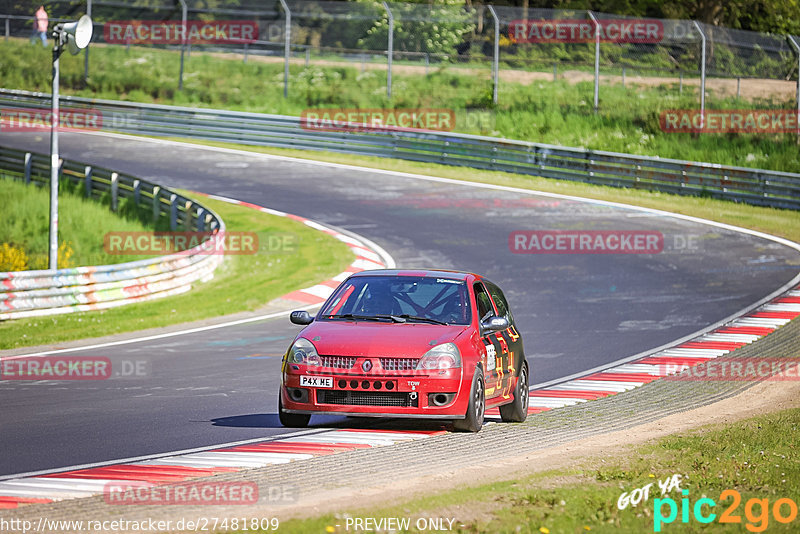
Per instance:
x=475, y=407
x=291, y=420
x=517, y=410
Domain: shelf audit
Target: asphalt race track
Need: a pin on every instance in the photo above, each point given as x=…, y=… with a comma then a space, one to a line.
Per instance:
x=575, y=311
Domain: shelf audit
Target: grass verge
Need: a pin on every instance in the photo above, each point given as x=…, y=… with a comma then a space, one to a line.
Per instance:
x=556, y=112
x=778, y=222
x=25, y=223
x=758, y=458
x=241, y=283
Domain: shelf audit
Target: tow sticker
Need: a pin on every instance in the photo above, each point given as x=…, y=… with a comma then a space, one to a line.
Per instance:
x=491, y=357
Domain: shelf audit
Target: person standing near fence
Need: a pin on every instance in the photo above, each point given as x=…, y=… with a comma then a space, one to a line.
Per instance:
x=40, y=23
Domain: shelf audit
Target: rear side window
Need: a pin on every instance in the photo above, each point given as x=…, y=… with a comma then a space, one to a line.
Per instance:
x=499, y=299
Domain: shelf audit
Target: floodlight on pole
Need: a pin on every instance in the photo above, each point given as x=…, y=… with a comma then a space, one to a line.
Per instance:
x=75, y=36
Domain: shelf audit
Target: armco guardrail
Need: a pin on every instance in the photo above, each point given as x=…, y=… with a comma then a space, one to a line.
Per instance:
x=753, y=186
x=51, y=292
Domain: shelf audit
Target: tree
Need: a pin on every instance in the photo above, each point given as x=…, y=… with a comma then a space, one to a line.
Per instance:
x=432, y=27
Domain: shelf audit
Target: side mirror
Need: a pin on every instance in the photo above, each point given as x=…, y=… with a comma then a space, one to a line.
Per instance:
x=495, y=324
x=301, y=317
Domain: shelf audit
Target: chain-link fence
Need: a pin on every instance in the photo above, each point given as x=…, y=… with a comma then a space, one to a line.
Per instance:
x=494, y=44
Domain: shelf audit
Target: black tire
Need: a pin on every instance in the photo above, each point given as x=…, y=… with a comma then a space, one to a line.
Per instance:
x=517, y=410
x=476, y=407
x=292, y=420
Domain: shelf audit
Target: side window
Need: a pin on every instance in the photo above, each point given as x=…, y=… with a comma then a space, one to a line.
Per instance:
x=499, y=300
x=482, y=299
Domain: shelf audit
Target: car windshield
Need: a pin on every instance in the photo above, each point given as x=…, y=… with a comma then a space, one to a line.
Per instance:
x=401, y=299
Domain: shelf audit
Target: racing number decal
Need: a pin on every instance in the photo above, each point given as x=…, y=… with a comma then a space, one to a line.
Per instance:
x=499, y=365
x=510, y=380
x=503, y=343
x=505, y=368
x=503, y=352
x=516, y=344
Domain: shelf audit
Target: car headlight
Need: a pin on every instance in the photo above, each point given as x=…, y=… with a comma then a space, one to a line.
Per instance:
x=303, y=351
x=444, y=356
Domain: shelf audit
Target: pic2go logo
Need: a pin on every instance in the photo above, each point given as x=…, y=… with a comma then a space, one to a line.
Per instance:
x=756, y=511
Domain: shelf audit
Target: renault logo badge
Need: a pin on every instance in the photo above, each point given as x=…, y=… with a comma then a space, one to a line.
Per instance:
x=367, y=366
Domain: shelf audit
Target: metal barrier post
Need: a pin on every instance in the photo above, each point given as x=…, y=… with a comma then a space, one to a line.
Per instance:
x=87, y=181
x=28, y=163
x=496, y=58
x=596, y=61
x=187, y=215
x=54, y=169
x=390, y=50
x=8, y=30
x=702, y=76
x=201, y=220
x=287, y=42
x=114, y=191
x=173, y=212
x=796, y=47
x=184, y=29
x=86, y=53
x=156, y=202
x=137, y=192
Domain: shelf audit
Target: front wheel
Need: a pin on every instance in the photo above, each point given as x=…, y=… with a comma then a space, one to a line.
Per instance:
x=291, y=420
x=517, y=410
x=475, y=407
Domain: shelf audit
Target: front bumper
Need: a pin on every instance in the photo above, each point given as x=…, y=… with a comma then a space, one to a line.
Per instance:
x=432, y=394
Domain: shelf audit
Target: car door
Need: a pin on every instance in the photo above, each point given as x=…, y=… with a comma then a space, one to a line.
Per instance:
x=510, y=353
x=493, y=372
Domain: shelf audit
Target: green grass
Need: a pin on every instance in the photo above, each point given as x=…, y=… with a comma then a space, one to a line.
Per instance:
x=558, y=112
x=779, y=222
x=242, y=283
x=24, y=223
x=757, y=457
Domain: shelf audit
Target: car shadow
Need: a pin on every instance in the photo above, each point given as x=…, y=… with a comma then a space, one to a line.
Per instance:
x=256, y=420
x=270, y=420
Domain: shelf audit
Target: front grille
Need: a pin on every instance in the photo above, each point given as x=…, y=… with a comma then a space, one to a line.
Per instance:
x=363, y=398
x=399, y=364
x=339, y=362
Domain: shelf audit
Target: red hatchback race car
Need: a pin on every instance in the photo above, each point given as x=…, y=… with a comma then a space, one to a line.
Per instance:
x=395, y=343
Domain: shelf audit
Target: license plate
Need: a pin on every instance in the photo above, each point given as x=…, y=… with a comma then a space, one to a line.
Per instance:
x=316, y=381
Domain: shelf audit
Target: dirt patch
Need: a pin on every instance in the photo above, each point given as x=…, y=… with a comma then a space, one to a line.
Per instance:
x=745, y=88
